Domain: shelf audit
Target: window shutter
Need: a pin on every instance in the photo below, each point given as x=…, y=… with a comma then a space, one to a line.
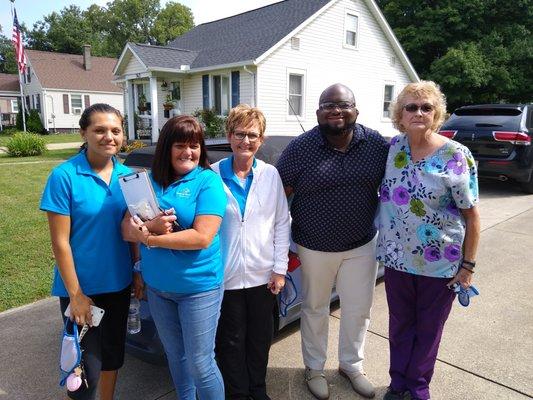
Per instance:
x=235, y=88
x=205, y=91
x=65, y=104
x=86, y=100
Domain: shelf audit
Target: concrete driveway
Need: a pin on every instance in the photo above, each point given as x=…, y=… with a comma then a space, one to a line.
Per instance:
x=486, y=352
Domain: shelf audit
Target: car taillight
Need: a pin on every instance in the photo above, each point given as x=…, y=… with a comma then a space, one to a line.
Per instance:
x=448, y=134
x=520, y=138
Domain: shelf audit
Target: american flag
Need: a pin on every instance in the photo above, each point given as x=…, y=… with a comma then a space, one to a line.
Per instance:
x=19, y=46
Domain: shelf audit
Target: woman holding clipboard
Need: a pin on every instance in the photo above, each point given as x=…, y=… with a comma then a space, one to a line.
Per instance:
x=84, y=205
x=183, y=270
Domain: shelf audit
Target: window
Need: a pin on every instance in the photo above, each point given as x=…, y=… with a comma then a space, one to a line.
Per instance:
x=296, y=94
x=351, y=23
x=14, y=106
x=175, y=91
x=27, y=76
x=37, y=102
x=221, y=94
x=388, y=94
x=295, y=43
x=76, y=103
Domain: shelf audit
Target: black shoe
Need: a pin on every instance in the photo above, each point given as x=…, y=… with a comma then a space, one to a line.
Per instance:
x=396, y=395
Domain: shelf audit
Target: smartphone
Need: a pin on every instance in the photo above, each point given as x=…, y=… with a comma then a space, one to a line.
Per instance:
x=97, y=313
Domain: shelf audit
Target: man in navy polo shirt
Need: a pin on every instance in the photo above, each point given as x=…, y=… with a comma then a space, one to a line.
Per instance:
x=334, y=171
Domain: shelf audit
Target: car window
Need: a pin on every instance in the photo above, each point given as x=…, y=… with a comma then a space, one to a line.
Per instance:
x=500, y=118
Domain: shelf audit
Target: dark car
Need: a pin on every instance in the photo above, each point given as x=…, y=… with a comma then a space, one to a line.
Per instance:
x=146, y=344
x=499, y=137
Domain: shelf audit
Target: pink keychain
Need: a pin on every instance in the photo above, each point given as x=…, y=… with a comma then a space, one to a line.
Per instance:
x=74, y=380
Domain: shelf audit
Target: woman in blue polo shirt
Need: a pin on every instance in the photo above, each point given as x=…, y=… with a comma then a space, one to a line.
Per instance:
x=85, y=207
x=183, y=270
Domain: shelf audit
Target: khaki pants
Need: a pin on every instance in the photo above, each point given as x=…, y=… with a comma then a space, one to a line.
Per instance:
x=354, y=273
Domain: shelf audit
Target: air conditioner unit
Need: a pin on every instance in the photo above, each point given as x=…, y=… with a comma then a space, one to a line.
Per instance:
x=76, y=110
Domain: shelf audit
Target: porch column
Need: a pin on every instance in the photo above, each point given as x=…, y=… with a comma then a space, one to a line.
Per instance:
x=129, y=96
x=154, y=109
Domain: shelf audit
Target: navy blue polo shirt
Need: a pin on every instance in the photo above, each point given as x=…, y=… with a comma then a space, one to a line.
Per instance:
x=335, y=193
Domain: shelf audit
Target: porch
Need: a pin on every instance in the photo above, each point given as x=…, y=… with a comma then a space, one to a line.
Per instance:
x=149, y=102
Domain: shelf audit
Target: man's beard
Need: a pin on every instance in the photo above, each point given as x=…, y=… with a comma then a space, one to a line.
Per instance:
x=330, y=131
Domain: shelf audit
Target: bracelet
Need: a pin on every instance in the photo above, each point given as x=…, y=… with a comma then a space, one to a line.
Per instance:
x=468, y=269
x=471, y=264
x=146, y=242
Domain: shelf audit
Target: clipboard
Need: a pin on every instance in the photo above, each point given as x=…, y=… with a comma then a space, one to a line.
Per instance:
x=139, y=195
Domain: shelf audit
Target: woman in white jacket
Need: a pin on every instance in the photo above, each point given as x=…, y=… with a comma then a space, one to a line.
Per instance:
x=254, y=241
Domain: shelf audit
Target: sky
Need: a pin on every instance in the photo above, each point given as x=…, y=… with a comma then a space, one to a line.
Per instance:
x=31, y=11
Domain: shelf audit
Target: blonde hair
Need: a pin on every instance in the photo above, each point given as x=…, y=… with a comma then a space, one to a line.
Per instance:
x=422, y=89
x=244, y=115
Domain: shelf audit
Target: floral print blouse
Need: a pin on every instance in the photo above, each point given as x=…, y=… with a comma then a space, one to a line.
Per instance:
x=421, y=229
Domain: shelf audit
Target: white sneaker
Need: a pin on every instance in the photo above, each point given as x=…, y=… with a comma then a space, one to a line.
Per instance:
x=317, y=383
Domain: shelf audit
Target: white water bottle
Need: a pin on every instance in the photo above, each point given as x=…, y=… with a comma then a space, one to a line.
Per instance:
x=134, y=316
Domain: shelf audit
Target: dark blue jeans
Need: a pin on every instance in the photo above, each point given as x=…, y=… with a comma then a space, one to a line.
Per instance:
x=187, y=325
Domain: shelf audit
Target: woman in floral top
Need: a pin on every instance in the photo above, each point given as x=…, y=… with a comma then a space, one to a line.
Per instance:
x=428, y=234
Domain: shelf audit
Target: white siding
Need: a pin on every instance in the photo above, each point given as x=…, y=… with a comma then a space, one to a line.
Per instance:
x=192, y=89
x=133, y=66
x=326, y=61
x=70, y=120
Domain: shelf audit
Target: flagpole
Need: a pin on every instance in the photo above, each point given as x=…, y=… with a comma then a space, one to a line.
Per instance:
x=22, y=102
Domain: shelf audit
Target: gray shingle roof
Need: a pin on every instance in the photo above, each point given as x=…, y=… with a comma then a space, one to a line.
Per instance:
x=163, y=57
x=245, y=36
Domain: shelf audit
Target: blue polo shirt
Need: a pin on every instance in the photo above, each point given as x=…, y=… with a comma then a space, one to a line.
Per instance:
x=335, y=193
x=101, y=258
x=200, y=192
x=234, y=184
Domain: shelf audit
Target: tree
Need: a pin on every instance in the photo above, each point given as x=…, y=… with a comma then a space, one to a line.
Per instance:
x=173, y=20
x=8, y=65
x=477, y=50
x=107, y=29
x=131, y=21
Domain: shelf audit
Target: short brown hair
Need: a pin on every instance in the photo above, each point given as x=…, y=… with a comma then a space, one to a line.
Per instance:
x=420, y=89
x=244, y=115
x=180, y=129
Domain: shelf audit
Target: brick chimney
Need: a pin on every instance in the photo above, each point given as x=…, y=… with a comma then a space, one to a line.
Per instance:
x=87, y=56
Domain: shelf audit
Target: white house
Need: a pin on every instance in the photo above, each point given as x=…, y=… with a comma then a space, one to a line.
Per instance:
x=60, y=86
x=279, y=57
x=9, y=99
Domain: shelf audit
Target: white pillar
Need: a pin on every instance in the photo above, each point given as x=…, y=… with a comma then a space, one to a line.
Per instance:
x=130, y=108
x=154, y=109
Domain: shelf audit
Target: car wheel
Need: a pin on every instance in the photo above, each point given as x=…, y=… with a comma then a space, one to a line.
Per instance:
x=528, y=186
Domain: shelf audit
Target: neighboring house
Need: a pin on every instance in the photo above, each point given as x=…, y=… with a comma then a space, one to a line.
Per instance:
x=9, y=99
x=279, y=57
x=60, y=86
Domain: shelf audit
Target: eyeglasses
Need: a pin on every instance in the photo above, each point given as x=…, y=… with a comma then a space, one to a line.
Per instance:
x=252, y=136
x=424, y=108
x=329, y=106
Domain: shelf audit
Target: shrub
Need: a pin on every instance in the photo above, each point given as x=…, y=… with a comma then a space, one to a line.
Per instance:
x=20, y=125
x=9, y=131
x=129, y=147
x=26, y=144
x=213, y=123
x=33, y=123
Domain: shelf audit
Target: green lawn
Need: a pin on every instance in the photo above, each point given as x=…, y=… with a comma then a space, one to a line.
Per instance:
x=59, y=138
x=26, y=261
x=50, y=155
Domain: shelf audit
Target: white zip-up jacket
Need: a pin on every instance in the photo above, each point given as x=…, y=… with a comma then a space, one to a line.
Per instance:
x=257, y=244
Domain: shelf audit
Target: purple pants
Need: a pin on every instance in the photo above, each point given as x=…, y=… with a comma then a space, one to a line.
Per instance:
x=418, y=308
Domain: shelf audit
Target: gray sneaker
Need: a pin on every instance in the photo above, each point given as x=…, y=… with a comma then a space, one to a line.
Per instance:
x=317, y=383
x=360, y=383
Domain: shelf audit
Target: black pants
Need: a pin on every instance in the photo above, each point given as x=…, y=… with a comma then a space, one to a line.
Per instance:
x=243, y=341
x=103, y=346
